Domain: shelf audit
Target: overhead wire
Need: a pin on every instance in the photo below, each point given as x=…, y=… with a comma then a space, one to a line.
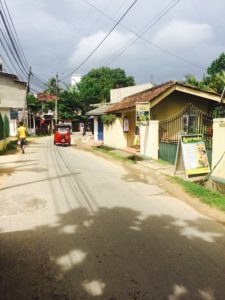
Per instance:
x=146, y=28
x=146, y=40
x=102, y=41
x=17, y=38
x=18, y=58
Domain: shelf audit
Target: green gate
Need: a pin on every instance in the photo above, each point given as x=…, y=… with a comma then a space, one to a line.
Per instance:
x=189, y=120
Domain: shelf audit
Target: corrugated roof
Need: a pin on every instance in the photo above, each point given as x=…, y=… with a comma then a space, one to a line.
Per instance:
x=149, y=95
x=99, y=110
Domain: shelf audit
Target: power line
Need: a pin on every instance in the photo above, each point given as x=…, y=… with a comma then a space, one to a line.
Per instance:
x=162, y=13
x=96, y=48
x=146, y=40
x=20, y=47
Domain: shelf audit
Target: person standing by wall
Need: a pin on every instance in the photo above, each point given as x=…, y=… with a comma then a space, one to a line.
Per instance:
x=21, y=131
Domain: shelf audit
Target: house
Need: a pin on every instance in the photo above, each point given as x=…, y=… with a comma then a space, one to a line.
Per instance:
x=174, y=108
x=116, y=95
x=97, y=121
x=12, y=98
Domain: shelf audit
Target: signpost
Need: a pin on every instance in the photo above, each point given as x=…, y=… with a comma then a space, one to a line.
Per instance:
x=192, y=155
x=142, y=113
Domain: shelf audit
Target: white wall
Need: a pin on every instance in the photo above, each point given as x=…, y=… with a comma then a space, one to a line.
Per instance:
x=114, y=135
x=12, y=94
x=116, y=95
x=149, y=140
x=218, y=156
x=96, y=128
x=218, y=140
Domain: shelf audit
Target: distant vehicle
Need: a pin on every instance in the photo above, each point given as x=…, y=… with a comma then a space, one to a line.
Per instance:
x=62, y=134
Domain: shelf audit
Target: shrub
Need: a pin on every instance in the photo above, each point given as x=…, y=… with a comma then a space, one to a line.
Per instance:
x=7, y=128
x=2, y=128
x=108, y=119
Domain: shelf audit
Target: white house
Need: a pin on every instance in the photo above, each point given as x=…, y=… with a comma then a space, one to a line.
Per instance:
x=12, y=98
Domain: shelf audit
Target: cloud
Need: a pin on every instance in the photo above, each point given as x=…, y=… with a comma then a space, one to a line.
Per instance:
x=183, y=35
x=107, y=50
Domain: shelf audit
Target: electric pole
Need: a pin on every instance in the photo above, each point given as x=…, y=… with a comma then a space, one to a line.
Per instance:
x=27, y=92
x=56, y=100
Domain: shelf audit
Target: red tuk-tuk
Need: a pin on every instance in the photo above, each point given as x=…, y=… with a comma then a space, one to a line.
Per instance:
x=62, y=134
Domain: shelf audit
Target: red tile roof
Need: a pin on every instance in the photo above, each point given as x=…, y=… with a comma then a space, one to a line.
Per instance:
x=144, y=96
x=149, y=95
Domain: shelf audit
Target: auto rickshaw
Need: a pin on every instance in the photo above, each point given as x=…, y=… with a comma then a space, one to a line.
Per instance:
x=62, y=134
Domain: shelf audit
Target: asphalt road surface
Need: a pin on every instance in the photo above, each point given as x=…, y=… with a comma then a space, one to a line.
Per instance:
x=74, y=225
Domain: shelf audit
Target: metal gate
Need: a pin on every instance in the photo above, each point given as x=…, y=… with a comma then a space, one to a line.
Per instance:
x=189, y=120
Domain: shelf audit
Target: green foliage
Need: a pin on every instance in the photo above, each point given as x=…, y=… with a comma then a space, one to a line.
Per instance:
x=108, y=119
x=69, y=103
x=33, y=104
x=217, y=66
x=205, y=195
x=6, y=125
x=215, y=81
x=2, y=128
x=95, y=86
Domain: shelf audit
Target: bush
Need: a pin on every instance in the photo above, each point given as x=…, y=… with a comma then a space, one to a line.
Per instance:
x=108, y=119
x=2, y=128
x=7, y=128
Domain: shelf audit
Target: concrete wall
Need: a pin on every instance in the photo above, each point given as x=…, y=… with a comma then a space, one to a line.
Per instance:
x=218, y=141
x=217, y=178
x=149, y=140
x=114, y=135
x=12, y=93
x=116, y=95
x=96, y=128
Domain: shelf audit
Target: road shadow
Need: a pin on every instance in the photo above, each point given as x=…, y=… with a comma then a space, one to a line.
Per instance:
x=114, y=254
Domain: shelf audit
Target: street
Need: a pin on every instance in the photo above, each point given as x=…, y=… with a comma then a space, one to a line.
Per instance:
x=74, y=225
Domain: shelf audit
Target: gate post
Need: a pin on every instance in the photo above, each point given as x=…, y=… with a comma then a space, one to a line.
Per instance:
x=218, y=146
x=149, y=139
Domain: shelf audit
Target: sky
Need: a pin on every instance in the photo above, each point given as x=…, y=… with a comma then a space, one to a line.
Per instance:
x=57, y=36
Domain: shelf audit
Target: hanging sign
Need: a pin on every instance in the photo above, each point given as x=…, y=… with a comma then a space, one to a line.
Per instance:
x=125, y=124
x=142, y=113
x=192, y=155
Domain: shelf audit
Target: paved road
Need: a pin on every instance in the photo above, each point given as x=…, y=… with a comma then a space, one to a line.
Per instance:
x=76, y=226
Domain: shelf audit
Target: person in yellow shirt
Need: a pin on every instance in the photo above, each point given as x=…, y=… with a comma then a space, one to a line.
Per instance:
x=21, y=131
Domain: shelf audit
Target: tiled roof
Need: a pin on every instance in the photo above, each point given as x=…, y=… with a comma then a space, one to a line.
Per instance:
x=145, y=96
x=149, y=95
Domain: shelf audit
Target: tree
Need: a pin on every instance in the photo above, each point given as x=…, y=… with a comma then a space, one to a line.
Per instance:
x=95, y=86
x=215, y=78
x=217, y=66
x=33, y=104
x=69, y=103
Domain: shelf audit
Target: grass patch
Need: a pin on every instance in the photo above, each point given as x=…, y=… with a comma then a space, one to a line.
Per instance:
x=205, y=195
x=110, y=151
x=163, y=162
x=11, y=148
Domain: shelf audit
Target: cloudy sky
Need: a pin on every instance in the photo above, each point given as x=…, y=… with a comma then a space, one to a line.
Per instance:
x=57, y=36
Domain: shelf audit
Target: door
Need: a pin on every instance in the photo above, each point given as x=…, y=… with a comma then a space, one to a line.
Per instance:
x=100, y=129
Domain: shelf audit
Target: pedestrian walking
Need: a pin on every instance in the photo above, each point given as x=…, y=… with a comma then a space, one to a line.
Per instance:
x=21, y=131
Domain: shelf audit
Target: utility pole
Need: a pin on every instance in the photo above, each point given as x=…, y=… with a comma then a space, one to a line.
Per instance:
x=56, y=100
x=27, y=92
